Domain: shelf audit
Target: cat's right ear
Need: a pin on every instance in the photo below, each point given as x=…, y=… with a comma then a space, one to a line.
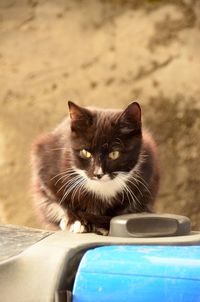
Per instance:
x=81, y=118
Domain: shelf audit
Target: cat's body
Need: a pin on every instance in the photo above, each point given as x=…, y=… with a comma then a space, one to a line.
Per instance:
x=95, y=165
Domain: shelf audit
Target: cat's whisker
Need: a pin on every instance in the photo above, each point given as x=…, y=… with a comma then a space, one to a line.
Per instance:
x=56, y=176
x=131, y=193
x=85, y=192
x=125, y=188
x=122, y=196
x=65, y=184
x=78, y=185
x=64, y=177
x=72, y=184
x=68, y=191
x=143, y=154
x=80, y=189
x=64, y=172
x=119, y=181
x=127, y=194
x=134, y=197
x=57, y=149
x=135, y=186
x=120, y=173
x=143, y=183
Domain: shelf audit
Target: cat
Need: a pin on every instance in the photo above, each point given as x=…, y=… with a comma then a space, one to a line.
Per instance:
x=97, y=164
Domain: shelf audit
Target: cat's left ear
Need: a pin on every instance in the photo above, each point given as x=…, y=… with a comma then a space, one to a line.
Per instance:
x=80, y=117
x=130, y=119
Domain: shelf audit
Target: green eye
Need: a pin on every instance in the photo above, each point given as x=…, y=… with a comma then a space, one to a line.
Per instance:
x=114, y=155
x=85, y=154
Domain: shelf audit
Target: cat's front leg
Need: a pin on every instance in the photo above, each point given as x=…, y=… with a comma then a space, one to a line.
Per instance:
x=63, y=224
x=101, y=231
x=50, y=212
x=77, y=227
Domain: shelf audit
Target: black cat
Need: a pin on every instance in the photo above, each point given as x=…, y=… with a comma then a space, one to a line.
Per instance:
x=95, y=165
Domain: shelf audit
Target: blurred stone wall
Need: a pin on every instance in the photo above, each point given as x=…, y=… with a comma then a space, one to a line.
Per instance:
x=102, y=53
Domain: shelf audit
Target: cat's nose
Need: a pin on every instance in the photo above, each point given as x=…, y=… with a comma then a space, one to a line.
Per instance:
x=98, y=176
x=98, y=172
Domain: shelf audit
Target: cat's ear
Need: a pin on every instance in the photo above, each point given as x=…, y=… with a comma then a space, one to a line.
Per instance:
x=80, y=117
x=130, y=119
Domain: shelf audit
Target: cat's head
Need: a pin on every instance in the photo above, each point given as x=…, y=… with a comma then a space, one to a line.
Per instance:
x=105, y=142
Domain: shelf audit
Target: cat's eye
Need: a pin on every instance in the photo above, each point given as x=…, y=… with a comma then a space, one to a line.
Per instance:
x=114, y=155
x=85, y=154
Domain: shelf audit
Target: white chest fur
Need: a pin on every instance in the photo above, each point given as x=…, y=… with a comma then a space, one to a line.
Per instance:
x=105, y=187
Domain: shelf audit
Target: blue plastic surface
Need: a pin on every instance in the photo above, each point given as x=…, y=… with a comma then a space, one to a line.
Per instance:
x=139, y=273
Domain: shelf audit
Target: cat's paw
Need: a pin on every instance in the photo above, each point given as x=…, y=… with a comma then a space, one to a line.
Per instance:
x=63, y=224
x=77, y=227
x=101, y=231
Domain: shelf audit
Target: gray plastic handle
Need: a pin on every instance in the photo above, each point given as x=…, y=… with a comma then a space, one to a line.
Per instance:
x=147, y=225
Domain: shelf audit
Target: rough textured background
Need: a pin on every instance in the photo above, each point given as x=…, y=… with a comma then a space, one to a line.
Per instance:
x=103, y=53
